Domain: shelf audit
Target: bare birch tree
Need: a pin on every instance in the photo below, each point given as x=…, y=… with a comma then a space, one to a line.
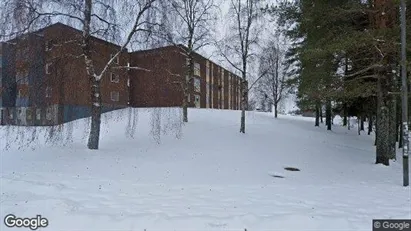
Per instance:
x=95, y=18
x=95, y=76
x=272, y=84
x=237, y=46
x=189, y=22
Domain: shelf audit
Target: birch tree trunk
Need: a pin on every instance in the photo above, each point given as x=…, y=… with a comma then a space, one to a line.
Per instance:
x=186, y=84
x=95, y=97
x=244, y=96
x=185, y=104
x=94, y=137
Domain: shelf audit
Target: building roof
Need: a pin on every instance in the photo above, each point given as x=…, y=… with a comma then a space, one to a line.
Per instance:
x=183, y=47
x=61, y=25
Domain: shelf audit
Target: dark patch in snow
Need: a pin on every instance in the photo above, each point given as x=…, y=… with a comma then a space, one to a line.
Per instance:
x=277, y=176
x=217, y=225
x=292, y=169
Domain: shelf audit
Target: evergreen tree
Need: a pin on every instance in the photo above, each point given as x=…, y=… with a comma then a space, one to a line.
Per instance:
x=345, y=51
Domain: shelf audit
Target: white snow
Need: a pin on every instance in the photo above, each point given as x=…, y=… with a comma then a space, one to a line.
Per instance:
x=211, y=178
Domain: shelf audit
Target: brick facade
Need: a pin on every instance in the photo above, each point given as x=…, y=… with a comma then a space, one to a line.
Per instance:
x=159, y=84
x=43, y=79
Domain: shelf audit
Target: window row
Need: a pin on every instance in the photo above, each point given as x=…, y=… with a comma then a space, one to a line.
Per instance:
x=22, y=77
x=197, y=67
x=114, y=78
x=20, y=93
x=51, y=43
x=114, y=95
x=28, y=114
x=196, y=100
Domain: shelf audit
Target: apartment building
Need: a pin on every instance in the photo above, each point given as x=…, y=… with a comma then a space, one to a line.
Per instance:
x=158, y=81
x=44, y=79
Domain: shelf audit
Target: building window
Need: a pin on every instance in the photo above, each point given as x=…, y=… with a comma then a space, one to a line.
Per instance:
x=20, y=114
x=197, y=85
x=197, y=69
x=28, y=114
x=114, y=78
x=38, y=114
x=49, y=45
x=22, y=77
x=48, y=68
x=116, y=60
x=48, y=92
x=48, y=113
x=197, y=101
x=25, y=80
x=115, y=96
x=19, y=93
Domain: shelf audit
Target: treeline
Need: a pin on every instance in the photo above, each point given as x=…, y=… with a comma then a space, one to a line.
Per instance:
x=345, y=57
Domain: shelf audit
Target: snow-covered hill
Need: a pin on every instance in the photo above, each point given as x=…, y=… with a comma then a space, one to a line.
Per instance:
x=209, y=178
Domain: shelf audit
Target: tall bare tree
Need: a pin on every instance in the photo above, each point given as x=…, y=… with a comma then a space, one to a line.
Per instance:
x=237, y=46
x=272, y=84
x=95, y=18
x=95, y=76
x=189, y=22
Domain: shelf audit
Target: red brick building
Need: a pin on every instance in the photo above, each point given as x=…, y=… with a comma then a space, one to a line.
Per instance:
x=159, y=85
x=44, y=81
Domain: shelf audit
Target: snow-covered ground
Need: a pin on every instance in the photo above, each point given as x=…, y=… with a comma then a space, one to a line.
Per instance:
x=210, y=178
